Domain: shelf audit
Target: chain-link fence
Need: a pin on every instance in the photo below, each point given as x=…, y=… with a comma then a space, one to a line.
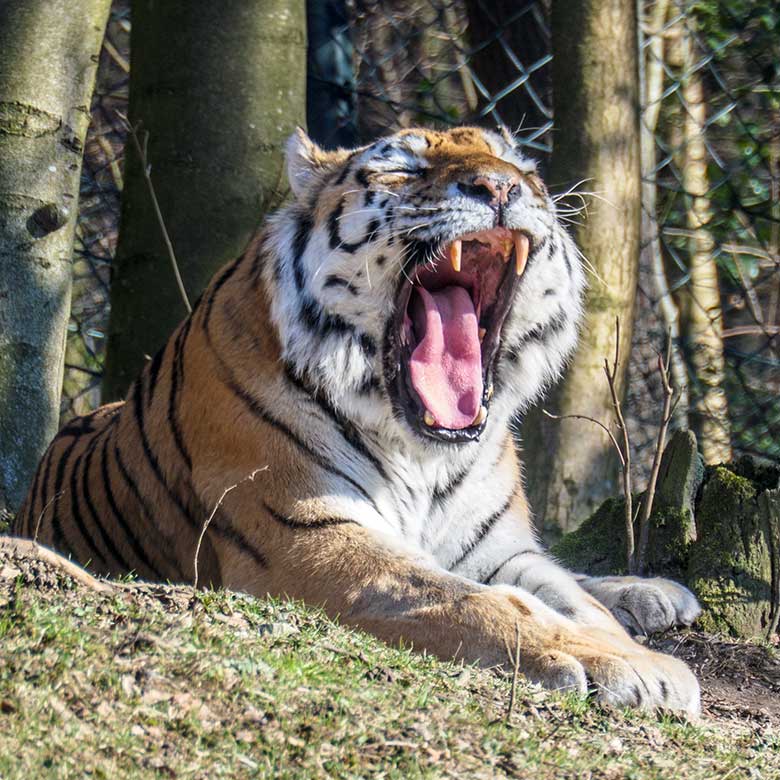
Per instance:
x=709, y=271
x=711, y=268
x=98, y=222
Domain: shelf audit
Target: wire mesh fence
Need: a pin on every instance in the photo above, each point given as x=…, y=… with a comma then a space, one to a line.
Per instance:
x=97, y=228
x=710, y=271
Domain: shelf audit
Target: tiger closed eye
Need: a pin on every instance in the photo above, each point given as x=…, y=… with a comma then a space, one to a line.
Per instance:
x=408, y=172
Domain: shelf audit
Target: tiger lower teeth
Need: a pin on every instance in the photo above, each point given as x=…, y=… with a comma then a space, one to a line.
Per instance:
x=429, y=419
x=481, y=416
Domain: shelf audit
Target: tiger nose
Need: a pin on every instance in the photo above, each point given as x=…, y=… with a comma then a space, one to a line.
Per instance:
x=494, y=189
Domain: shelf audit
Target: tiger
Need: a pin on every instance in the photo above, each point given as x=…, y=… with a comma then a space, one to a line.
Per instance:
x=333, y=423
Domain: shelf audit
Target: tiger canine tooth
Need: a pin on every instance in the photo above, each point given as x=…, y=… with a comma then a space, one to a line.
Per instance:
x=456, y=248
x=489, y=393
x=481, y=416
x=428, y=419
x=482, y=332
x=522, y=246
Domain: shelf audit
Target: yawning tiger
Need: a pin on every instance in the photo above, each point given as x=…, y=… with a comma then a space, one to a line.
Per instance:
x=363, y=360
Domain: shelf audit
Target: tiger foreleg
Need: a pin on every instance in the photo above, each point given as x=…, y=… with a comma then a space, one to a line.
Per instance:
x=398, y=597
x=643, y=606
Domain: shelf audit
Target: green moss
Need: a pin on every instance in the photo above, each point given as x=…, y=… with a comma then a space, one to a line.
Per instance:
x=727, y=486
x=723, y=554
x=729, y=567
x=671, y=534
x=598, y=546
x=765, y=476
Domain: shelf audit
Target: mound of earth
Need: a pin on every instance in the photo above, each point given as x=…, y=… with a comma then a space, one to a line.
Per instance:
x=134, y=680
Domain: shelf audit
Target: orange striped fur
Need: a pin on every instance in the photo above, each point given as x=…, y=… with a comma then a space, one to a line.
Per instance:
x=285, y=369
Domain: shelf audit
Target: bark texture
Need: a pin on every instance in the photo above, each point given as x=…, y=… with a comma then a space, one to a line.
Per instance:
x=700, y=307
x=652, y=87
x=48, y=60
x=571, y=466
x=219, y=91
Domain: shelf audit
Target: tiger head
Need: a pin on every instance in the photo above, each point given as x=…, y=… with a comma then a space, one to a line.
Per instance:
x=423, y=282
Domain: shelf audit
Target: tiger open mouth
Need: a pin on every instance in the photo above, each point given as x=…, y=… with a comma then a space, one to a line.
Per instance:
x=447, y=330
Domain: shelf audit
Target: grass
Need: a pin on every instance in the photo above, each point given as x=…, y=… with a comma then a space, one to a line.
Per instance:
x=163, y=682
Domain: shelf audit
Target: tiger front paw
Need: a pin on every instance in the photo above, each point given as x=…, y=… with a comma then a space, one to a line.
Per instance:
x=645, y=606
x=616, y=671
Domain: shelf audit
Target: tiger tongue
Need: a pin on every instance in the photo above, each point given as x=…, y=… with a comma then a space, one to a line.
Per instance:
x=446, y=365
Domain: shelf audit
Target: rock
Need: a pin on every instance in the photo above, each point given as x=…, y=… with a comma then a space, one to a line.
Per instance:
x=730, y=566
x=672, y=526
x=277, y=629
x=598, y=546
x=717, y=530
x=9, y=572
x=680, y=474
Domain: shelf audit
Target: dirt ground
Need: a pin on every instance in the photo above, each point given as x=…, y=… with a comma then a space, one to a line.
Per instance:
x=740, y=680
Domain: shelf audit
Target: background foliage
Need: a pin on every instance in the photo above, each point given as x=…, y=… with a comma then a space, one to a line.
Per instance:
x=378, y=65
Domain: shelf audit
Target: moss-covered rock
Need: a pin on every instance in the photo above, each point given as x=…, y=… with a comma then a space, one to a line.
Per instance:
x=730, y=566
x=680, y=473
x=718, y=530
x=765, y=476
x=598, y=546
x=672, y=532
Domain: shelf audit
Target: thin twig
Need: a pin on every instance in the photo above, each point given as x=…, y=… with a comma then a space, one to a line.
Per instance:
x=588, y=419
x=611, y=375
x=147, y=174
x=248, y=478
x=773, y=522
x=515, y=671
x=666, y=417
x=43, y=512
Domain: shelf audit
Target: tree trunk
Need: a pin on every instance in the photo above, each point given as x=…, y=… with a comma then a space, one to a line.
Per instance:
x=700, y=309
x=652, y=259
x=219, y=89
x=390, y=36
x=571, y=464
x=48, y=58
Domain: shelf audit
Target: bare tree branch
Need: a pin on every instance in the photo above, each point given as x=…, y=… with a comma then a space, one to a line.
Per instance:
x=611, y=374
x=666, y=416
x=515, y=658
x=141, y=149
x=588, y=419
x=54, y=498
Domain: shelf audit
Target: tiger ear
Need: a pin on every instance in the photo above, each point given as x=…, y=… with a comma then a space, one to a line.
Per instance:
x=305, y=161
